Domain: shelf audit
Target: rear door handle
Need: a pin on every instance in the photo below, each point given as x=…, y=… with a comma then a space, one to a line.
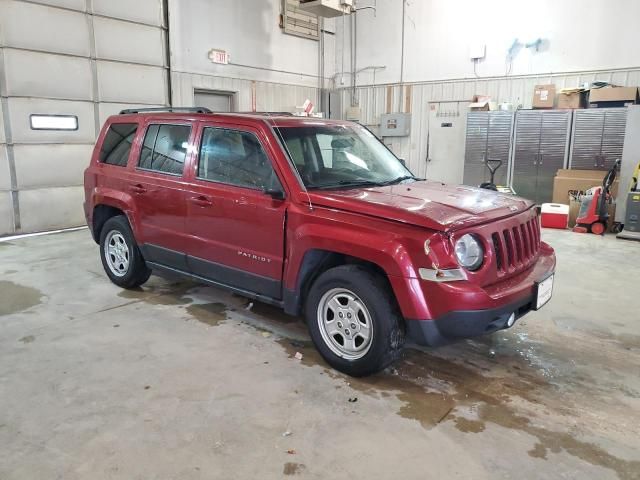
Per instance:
x=137, y=188
x=201, y=201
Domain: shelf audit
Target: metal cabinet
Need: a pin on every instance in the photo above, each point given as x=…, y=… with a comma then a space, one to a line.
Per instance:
x=541, y=145
x=598, y=138
x=488, y=136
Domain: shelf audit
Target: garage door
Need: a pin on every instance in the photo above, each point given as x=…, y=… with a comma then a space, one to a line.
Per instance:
x=62, y=79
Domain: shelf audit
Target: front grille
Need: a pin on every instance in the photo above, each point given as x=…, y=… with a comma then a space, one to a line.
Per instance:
x=517, y=246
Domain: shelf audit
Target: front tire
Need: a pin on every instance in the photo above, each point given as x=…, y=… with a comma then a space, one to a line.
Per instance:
x=120, y=255
x=353, y=320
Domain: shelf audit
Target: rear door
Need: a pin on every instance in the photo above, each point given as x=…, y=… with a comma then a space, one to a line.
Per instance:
x=236, y=229
x=157, y=185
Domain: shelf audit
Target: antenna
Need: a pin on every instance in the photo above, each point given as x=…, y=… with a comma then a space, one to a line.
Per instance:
x=283, y=143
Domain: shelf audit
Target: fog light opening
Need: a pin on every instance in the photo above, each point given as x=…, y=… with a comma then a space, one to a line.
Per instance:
x=511, y=320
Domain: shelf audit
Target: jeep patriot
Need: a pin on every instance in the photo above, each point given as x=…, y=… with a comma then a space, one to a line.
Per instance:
x=319, y=218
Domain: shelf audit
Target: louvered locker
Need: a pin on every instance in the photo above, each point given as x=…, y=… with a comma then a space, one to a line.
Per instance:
x=541, y=144
x=488, y=136
x=598, y=138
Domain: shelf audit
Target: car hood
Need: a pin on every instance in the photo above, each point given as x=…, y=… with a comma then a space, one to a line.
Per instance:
x=426, y=203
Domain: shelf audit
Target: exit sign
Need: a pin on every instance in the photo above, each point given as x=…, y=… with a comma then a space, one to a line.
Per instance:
x=219, y=56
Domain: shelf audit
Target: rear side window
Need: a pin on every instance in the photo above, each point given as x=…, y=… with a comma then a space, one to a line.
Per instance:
x=236, y=158
x=117, y=143
x=165, y=148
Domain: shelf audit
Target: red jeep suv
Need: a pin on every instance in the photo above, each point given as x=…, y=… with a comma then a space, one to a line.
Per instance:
x=317, y=217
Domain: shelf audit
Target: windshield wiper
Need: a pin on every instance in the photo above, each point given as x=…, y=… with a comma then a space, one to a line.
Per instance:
x=349, y=183
x=400, y=179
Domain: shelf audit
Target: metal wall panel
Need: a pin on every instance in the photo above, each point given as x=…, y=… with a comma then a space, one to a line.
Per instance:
x=129, y=42
x=143, y=11
x=269, y=96
x=20, y=109
x=5, y=179
x=120, y=82
x=75, y=63
x=105, y=110
x=35, y=74
x=51, y=208
x=64, y=165
x=515, y=90
x=6, y=213
x=2, y=136
x=71, y=4
x=47, y=24
x=598, y=138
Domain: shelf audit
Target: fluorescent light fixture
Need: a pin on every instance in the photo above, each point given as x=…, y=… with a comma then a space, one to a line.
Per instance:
x=53, y=122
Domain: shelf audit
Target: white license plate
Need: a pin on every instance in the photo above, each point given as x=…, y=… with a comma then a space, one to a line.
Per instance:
x=545, y=290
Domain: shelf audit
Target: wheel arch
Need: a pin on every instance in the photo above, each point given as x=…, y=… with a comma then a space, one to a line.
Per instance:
x=316, y=261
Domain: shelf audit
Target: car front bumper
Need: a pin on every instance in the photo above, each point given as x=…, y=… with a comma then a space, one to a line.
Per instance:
x=487, y=310
x=461, y=324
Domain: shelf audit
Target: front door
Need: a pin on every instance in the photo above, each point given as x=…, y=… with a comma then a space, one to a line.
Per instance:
x=157, y=187
x=236, y=229
x=445, y=158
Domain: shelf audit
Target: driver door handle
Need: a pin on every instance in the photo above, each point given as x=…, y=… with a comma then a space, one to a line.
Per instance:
x=138, y=188
x=201, y=201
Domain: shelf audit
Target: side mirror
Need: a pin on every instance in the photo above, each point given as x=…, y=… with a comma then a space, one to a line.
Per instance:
x=275, y=193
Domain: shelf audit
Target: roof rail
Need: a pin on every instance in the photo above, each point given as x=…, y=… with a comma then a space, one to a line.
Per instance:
x=266, y=114
x=166, y=109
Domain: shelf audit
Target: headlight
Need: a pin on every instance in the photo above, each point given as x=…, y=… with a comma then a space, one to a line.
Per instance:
x=469, y=252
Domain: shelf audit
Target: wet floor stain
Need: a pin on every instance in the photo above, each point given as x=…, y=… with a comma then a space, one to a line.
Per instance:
x=15, y=298
x=168, y=295
x=211, y=314
x=269, y=312
x=291, y=468
x=28, y=339
x=462, y=391
x=10, y=272
x=538, y=451
x=432, y=389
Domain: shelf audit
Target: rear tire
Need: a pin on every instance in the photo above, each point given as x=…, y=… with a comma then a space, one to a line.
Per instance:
x=120, y=255
x=354, y=321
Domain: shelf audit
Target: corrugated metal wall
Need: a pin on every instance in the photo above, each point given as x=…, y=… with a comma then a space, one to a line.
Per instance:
x=88, y=58
x=268, y=96
x=453, y=96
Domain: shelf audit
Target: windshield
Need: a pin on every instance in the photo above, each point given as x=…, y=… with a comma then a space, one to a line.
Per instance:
x=332, y=156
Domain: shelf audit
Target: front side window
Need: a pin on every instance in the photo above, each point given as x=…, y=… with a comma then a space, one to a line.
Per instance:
x=333, y=156
x=236, y=158
x=117, y=143
x=165, y=148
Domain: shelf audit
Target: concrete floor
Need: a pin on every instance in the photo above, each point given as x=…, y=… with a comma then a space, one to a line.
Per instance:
x=184, y=382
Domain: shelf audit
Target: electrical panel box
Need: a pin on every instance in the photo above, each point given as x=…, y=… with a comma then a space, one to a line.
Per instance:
x=395, y=124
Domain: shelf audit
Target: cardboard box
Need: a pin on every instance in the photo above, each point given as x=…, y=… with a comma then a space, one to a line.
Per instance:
x=544, y=96
x=480, y=103
x=571, y=100
x=569, y=184
x=613, y=97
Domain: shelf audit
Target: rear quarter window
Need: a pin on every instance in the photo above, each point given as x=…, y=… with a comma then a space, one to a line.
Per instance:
x=117, y=143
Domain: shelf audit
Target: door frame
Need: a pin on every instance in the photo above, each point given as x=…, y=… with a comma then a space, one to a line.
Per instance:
x=233, y=96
